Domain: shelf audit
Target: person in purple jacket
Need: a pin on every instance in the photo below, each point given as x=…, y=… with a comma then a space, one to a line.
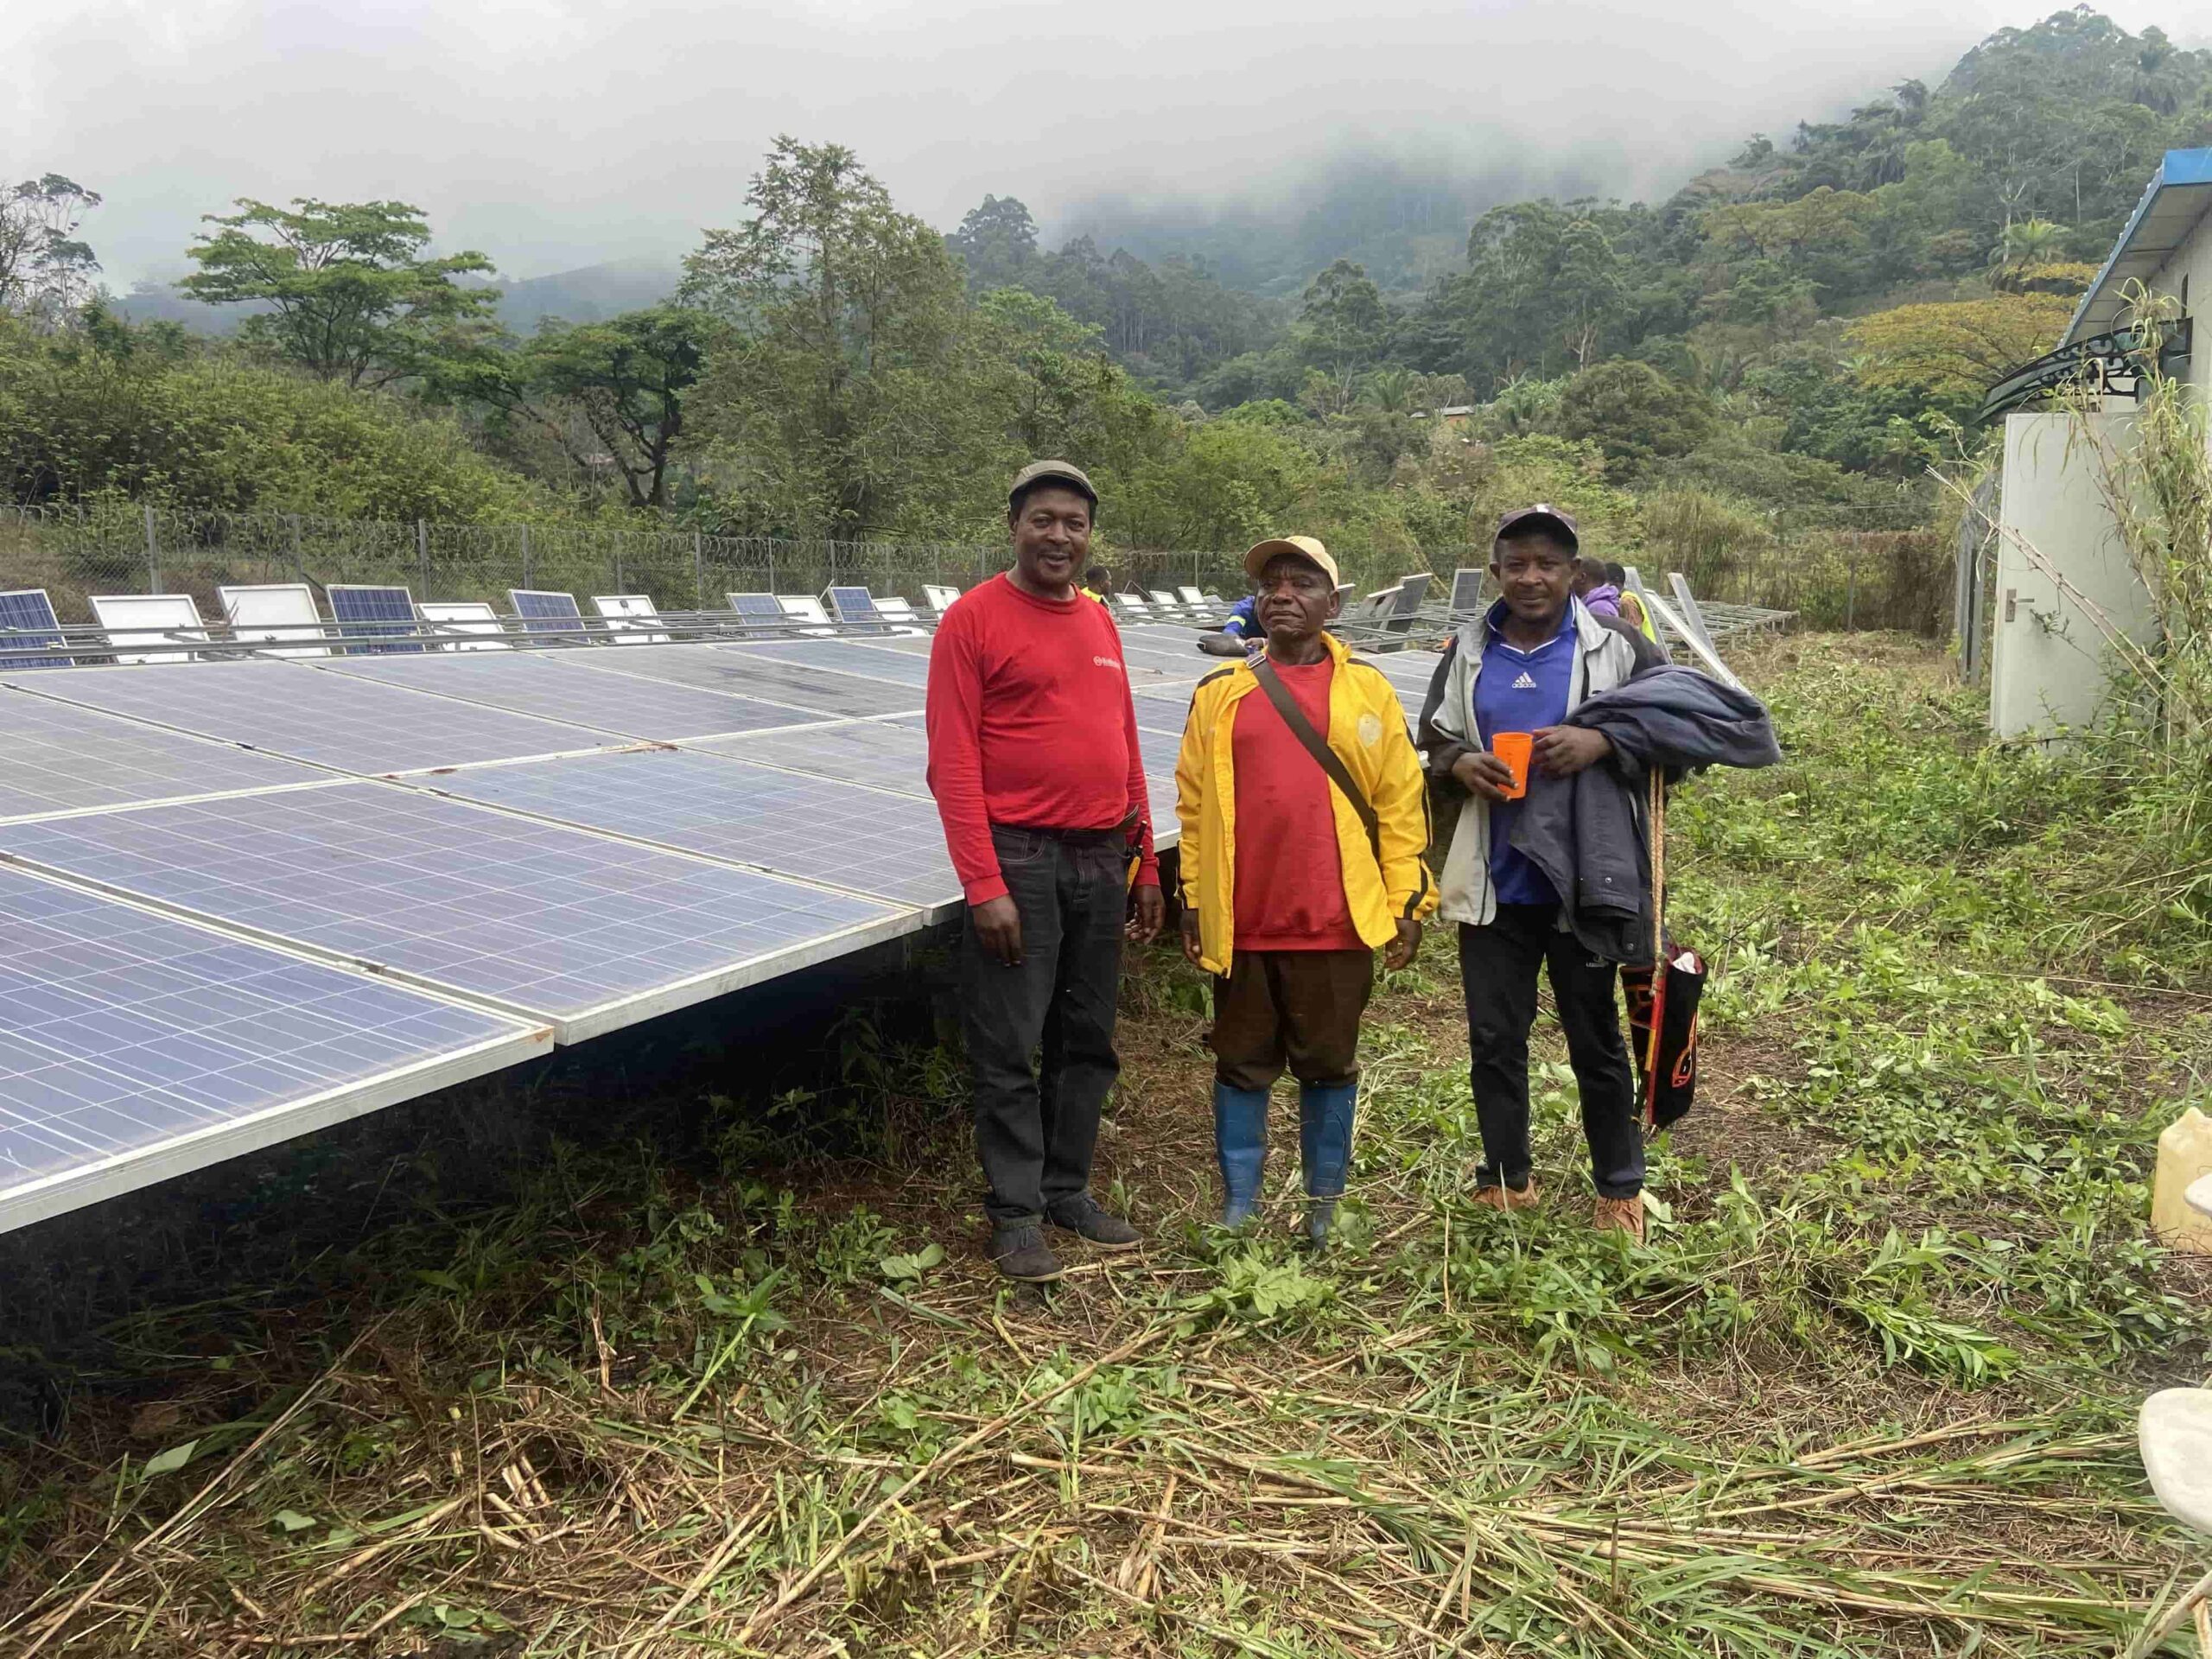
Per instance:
x=1594, y=585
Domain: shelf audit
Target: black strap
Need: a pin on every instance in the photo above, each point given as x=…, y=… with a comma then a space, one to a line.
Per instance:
x=1317, y=746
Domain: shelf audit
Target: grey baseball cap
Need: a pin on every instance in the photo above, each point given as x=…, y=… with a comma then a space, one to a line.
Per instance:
x=1055, y=471
x=1542, y=514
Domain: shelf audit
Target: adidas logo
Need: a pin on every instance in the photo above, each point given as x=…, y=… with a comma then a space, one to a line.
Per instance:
x=1526, y=683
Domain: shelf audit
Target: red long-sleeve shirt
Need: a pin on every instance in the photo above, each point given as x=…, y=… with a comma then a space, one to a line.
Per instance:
x=1031, y=723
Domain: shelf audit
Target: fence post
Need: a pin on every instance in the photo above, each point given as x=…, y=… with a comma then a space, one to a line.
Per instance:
x=698, y=571
x=423, y=554
x=153, y=557
x=771, y=567
x=618, y=561
x=1851, y=595
x=525, y=556
x=299, y=558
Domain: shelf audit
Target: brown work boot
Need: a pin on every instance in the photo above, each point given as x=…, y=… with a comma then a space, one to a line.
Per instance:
x=1620, y=1216
x=1508, y=1198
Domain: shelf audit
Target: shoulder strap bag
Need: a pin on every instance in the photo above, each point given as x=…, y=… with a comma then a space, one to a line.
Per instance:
x=1317, y=746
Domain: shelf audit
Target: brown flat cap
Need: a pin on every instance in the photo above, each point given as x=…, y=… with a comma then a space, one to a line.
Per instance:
x=1052, y=471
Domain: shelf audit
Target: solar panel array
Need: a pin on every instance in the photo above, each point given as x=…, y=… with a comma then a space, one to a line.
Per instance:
x=244, y=899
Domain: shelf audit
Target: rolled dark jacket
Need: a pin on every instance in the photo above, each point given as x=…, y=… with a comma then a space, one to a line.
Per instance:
x=1589, y=834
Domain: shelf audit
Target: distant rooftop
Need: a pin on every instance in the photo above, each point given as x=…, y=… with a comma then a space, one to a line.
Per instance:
x=2179, y=194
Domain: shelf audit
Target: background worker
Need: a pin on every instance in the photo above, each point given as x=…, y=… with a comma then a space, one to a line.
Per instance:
x=1287, y=893
x=1595, y=587
x=1239, y=636
x=1522, y=667
x=1632, y=608
x=1098, y=583
x=1044, y=805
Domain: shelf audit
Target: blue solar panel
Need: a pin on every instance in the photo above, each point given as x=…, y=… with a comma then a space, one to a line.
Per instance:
x=133, y=1047
x=27, y=619
x=853, y=605
x=546, y=613
x=757, y=607
x=365, y=613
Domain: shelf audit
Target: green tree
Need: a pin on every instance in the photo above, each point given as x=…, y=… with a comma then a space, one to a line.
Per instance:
x=348, y=292
x=1633, y=413
x=45, y=271
x=844, y=399
x=1344, y=323
x=996, y=241
x=606, y=393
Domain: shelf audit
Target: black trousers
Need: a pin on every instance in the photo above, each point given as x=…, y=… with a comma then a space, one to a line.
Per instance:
x=1037, y=1127
x=1297, y=1006
x=1497, y=966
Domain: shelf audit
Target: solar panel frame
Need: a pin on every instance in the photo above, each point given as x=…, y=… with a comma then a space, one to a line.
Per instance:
x=136, y=1046
x=27, y=619
x=1466, y=591
x=269, y=613
x=62, y=758
x=161, y=621
x=352, y=723
x=465, y=616
x=629, y=618
x=542, y=610
x=370, y=611
x=546, y=922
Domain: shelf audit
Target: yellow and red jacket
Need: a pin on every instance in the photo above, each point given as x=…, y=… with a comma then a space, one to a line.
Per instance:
x=1367, y=730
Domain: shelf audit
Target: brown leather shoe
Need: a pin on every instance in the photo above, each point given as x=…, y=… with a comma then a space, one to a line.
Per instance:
x=1620, y=1216
x=1508, y=1198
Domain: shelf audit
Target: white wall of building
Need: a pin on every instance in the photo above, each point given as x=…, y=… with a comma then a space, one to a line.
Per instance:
x=2186, y=275
x=2049, y=663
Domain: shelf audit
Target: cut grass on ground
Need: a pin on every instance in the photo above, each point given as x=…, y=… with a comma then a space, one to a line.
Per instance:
x=729, y=1375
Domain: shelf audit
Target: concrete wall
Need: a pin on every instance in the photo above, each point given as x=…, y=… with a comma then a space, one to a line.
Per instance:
x=2049, y=661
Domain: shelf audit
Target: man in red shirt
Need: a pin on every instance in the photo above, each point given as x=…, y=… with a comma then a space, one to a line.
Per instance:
x=1034, y=763
x=1296, y=870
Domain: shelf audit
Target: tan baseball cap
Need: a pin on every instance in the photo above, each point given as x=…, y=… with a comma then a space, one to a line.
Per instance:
x=1053, y=472
x=1305, y=547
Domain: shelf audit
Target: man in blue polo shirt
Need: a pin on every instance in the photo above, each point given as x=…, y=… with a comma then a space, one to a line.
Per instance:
x=1537, y=653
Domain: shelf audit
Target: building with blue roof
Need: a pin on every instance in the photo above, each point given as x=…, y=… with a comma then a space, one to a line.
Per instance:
x=2062, y=576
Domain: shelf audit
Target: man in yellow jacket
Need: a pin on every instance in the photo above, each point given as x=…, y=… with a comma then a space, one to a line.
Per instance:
x=1304, y=817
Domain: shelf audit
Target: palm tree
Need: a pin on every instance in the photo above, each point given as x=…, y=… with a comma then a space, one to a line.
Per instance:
x=2025, y=244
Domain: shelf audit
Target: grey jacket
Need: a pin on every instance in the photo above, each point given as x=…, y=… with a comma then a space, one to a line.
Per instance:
x=1588, y=834
x=1606, y=652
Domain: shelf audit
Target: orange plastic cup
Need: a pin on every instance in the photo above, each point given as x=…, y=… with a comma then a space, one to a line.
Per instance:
x=1513, y=748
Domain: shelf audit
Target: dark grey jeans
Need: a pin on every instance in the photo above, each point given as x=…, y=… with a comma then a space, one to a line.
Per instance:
x=1037, y=1127
x=1498, y=969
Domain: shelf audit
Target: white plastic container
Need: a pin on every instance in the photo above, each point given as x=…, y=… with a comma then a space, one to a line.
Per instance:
x=2184, y=1153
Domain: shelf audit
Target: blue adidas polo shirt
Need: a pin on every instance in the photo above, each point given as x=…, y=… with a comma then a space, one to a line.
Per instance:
x=1521, y=692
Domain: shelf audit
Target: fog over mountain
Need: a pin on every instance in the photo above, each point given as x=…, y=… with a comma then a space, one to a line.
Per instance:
x=563, y=134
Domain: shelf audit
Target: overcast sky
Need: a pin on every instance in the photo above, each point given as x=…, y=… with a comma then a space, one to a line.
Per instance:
x=558, y=133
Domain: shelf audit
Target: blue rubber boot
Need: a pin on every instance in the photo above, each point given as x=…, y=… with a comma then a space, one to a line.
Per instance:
x=1240, y=1142
x=1324, y=1115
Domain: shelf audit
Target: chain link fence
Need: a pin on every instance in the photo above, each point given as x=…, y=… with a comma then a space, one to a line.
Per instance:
x=1831, y=579
x=75, y=553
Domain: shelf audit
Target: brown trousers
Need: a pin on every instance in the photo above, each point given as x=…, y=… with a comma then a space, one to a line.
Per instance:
x=1302, y=1006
